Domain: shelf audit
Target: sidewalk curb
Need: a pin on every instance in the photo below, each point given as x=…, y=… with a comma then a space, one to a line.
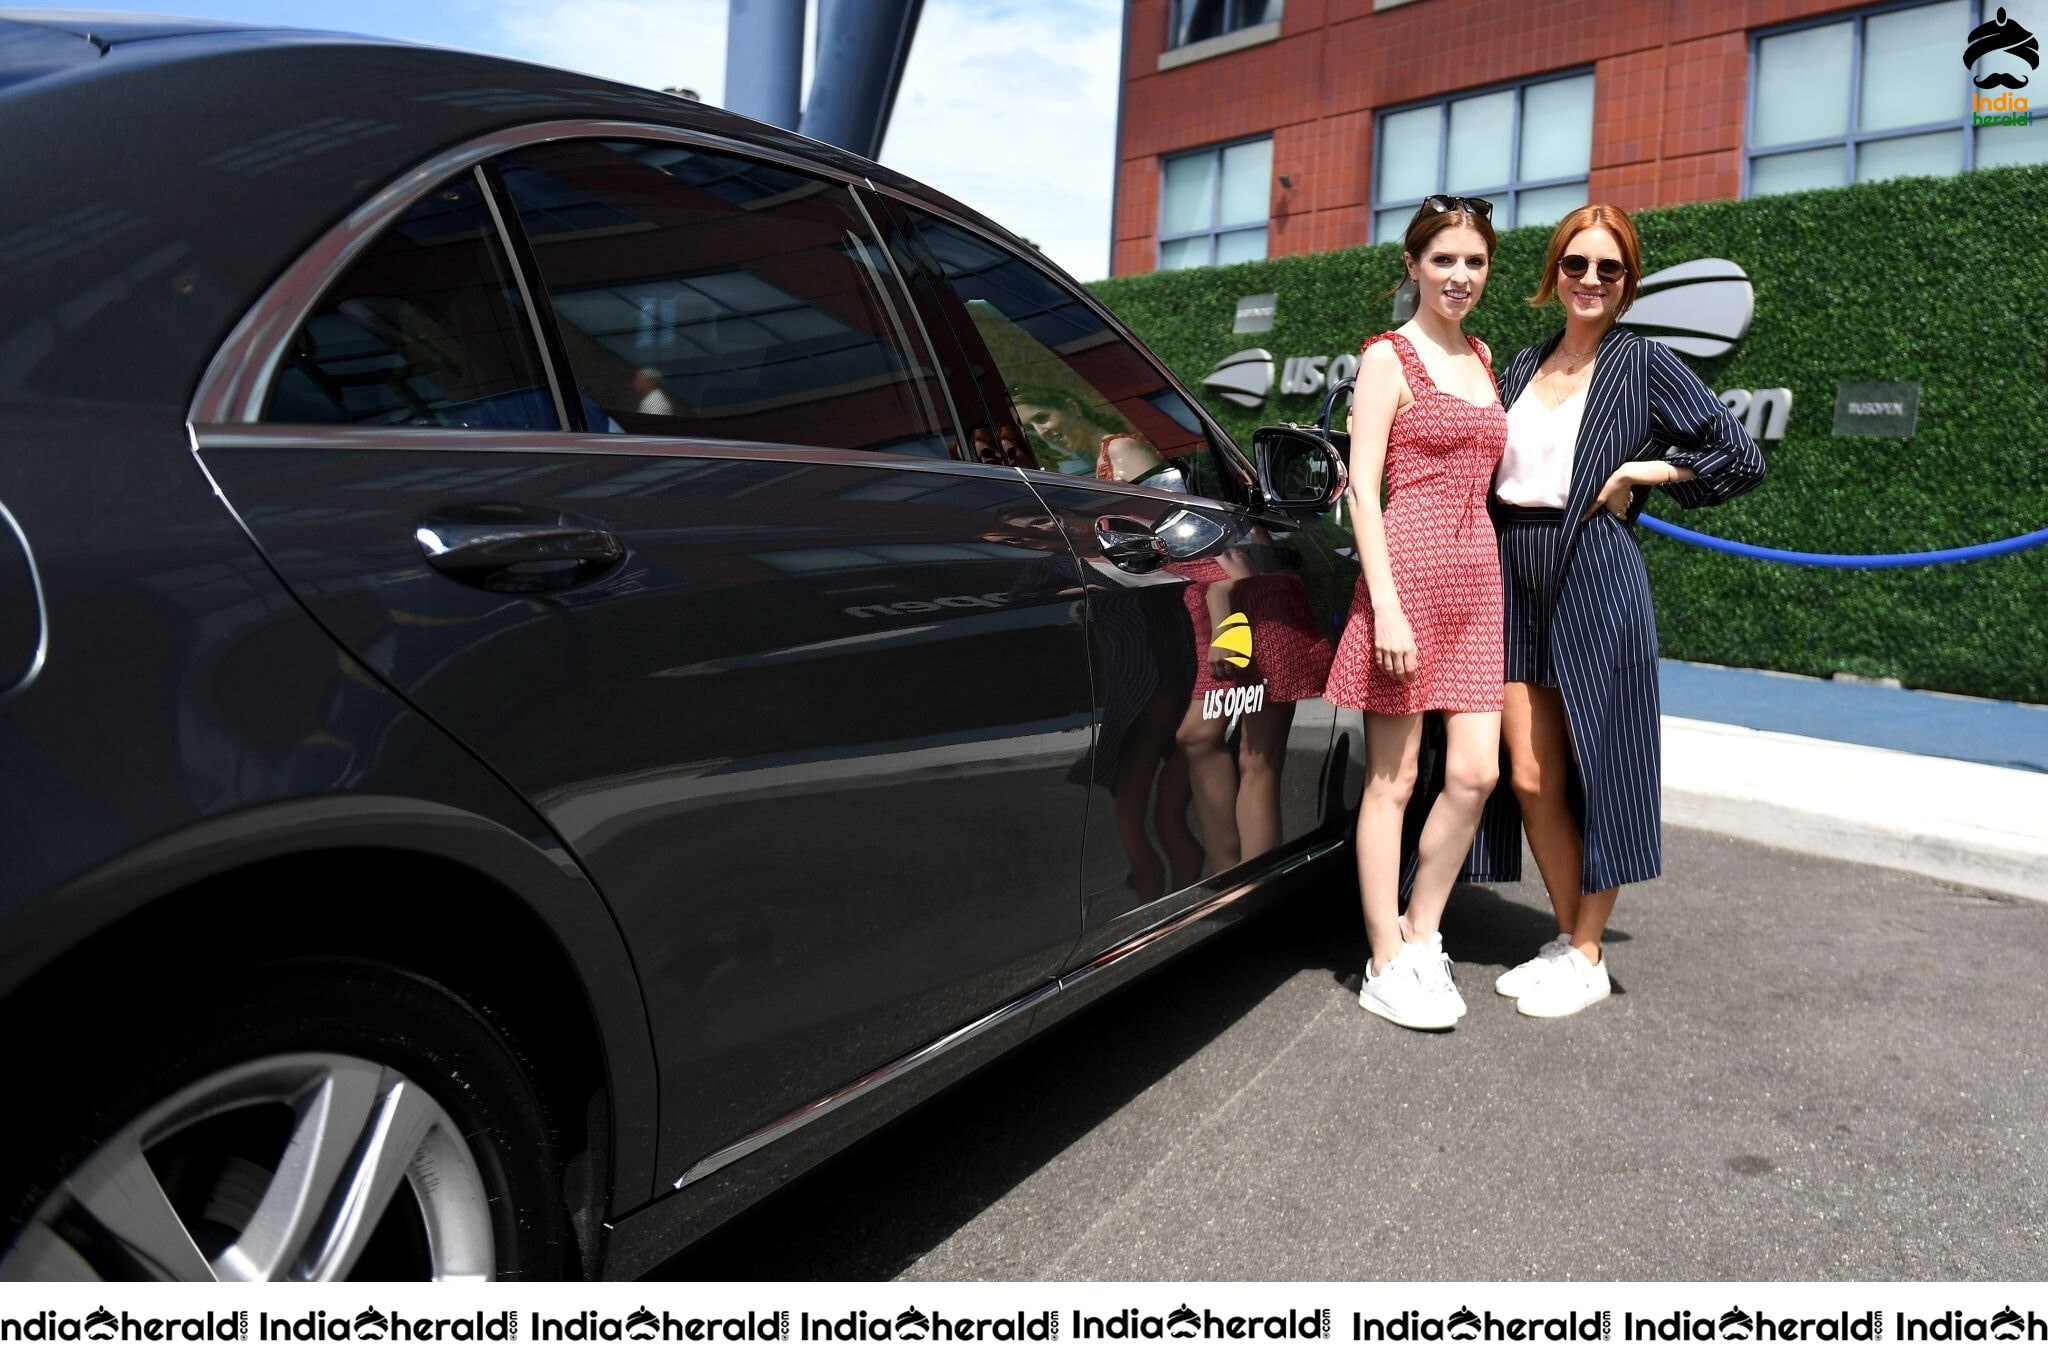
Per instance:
x=1969, y=823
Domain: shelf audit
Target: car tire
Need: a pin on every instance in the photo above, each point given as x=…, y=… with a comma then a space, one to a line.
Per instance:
x=299, y=1121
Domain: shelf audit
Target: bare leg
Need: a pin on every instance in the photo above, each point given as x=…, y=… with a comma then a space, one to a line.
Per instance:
x=1391, y=746
x=1212, y=771
x=1538, y=735
x=1471, y=767
x=1261, y=754
x=1593, y=914
x=1539, y=768
x=1170, y=816
x=1144, y=745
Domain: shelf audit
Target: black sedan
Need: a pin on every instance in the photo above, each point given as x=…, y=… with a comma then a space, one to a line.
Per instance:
x=565, y=654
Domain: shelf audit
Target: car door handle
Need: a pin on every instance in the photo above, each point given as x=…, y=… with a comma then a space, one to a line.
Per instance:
x=1130, y=544
x=1183, y=533
x=508, y=548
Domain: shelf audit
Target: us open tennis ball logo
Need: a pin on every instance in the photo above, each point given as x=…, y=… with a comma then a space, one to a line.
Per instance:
x=1701, y=308
x=1244, y=378
x=1234, y=638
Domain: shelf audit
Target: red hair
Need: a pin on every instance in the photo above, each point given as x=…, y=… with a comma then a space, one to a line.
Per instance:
x=1577, y=221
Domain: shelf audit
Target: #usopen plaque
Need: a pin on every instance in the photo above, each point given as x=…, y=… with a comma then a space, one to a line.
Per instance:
x=1877, y=409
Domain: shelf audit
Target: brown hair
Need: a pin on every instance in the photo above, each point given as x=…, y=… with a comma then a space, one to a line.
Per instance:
x=1577, y=221
x=1426, y=224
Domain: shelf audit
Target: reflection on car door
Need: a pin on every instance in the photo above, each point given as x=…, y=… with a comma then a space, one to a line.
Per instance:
x=800, y=685
x=1209, y=664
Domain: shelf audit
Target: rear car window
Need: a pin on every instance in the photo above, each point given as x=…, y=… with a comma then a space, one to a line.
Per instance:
x=1071, y=396
x=426, y=329
x=710, y=295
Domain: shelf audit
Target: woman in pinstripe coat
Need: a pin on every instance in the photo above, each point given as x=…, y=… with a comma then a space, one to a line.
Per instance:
x=1597, y=417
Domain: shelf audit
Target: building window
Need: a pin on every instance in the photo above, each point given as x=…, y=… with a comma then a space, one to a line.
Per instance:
x=1879, y=94
x=1527, y=147
x=1213, y=205
x=1194, y=20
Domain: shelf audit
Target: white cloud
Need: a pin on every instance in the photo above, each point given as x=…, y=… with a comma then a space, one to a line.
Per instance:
x=1012, y=110
x=1008, y=108
x=655, y=43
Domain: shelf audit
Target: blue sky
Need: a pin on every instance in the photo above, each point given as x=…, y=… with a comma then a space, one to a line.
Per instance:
x=1008, y=107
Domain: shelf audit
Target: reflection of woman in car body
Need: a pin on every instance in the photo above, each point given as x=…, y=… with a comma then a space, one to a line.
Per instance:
x=1146, y=668
x=1580, y=723
x=1236, y=788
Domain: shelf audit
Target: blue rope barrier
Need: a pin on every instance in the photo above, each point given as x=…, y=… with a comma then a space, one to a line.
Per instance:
x=1917, y=559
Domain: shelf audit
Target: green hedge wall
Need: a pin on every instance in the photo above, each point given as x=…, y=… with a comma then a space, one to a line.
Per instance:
x=1936, y=280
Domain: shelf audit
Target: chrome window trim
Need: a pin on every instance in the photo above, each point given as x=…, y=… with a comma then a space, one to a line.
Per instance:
x=1107, y=960
x=460, y=440
x=960, y=427
x=35, y=582
x=1222, y=437
x=537, y=333
x=1087, y=483
x=238, y=379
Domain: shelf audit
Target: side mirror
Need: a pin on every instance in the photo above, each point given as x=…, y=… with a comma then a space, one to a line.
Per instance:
x=1300, y=471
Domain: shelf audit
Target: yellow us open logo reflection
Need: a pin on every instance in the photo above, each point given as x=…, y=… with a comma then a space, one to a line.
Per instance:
x=1234, y=640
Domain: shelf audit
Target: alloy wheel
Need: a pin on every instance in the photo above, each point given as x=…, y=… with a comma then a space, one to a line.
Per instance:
x=299, y=1166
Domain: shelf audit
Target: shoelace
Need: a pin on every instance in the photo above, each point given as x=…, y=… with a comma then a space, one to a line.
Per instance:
x=1438, y=977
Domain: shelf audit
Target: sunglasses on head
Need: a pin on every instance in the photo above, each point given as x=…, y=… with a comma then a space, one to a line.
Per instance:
x=1606, y=267
x=1452, y=203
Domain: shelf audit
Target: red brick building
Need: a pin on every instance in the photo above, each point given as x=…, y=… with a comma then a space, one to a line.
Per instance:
x=1341, y=110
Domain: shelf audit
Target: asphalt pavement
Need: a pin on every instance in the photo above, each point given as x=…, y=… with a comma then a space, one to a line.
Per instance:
x=1810, y=1070
x=1816, y=1065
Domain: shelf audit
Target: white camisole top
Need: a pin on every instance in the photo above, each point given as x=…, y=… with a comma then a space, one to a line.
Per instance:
x=1536, y=468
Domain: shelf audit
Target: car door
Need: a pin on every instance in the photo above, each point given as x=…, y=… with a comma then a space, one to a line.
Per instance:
x=1209, y=662
x=623, y=460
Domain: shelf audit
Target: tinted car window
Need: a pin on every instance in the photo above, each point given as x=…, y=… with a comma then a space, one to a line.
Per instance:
x=708, y=295
x=1079, y=398
x=426, y=329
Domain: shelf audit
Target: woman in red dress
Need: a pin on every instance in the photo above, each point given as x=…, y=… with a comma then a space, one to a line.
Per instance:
x=1425, y=626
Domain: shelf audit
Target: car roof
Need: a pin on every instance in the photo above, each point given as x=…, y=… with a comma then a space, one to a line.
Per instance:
x=163, y=207
x=109, y=27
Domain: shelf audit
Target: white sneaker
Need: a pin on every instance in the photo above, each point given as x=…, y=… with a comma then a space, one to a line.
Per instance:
x=1437, y=974
x=1436, y=978
x=1567, y=986
x=1403, y=994
x=1515, y=980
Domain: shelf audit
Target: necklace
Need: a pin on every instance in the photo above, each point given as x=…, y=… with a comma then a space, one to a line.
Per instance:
x=1574, y=359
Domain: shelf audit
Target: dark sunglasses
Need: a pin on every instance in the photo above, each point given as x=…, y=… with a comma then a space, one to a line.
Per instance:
x=1607, y=268
x=1452, y=203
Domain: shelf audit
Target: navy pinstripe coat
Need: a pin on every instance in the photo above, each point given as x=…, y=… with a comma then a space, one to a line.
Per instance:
x=1603, y=633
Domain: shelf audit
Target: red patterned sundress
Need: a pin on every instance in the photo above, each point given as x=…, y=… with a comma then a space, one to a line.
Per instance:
x=1104, y=470
x=1441, y=454
x=1290, y=654
x=1200, y=573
